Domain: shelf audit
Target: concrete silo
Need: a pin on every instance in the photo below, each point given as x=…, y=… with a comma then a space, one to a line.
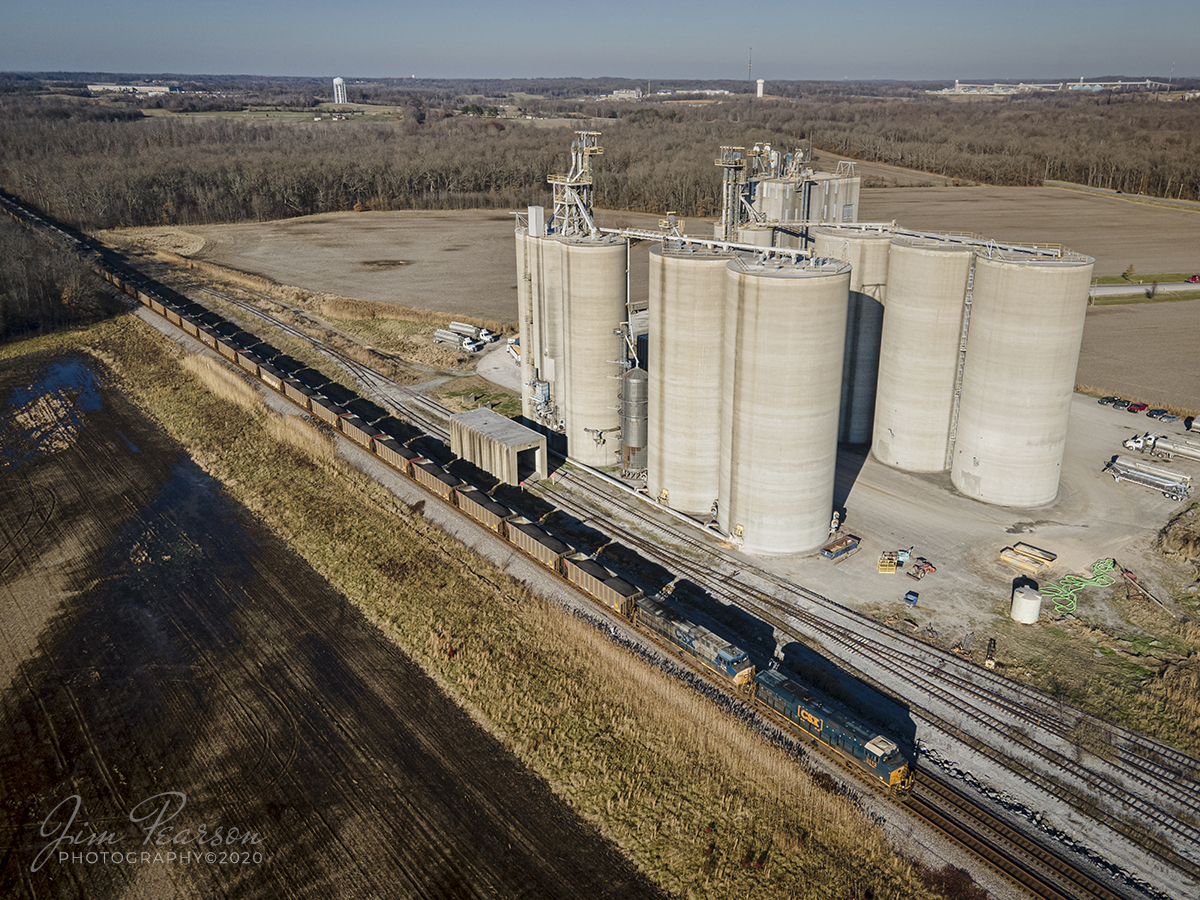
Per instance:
x=757, y=235
x=687, y=322
x=919, y=352
x=867, y=251
x=1026, y=327
x=593, y=280
x=785, y=326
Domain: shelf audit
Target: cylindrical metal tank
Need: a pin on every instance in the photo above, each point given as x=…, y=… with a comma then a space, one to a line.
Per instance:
x=785, y=325
x=593, y=282
x=1026, y=605
x=867, y=251
x=633, y=420
x=918, y=354
x=687, y=324
x=1026, y=327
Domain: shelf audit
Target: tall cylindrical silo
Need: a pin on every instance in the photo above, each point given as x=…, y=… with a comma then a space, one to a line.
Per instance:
x=1022, y=351
x=758, y=235
x=634, y=401
x=918, y=354
x=594, y=279
x=687, y=321
x=867, y=251
x=784, y=338
x=525, y=320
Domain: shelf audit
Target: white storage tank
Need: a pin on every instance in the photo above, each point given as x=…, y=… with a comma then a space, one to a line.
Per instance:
x=1026, y=605
x=757, y=235
x=1027, y=316
x=867, y=251
x=785, y=326
x=918, y=354
x=687, y=324
x=593, y=286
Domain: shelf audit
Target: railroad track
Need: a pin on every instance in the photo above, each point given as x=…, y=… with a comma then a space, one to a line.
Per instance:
x=925, y=670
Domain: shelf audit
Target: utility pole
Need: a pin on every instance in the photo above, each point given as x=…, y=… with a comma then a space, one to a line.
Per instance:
x=750, y=68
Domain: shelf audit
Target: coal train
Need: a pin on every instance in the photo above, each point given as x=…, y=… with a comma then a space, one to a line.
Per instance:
x=780, y=696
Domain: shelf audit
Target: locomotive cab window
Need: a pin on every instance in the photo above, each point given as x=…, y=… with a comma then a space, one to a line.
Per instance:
x=881, y=748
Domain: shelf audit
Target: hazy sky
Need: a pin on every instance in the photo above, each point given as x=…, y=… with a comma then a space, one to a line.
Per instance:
x=935, y=39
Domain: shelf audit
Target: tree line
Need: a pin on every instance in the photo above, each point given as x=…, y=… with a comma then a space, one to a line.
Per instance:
x=43, y=289
x=104, y=165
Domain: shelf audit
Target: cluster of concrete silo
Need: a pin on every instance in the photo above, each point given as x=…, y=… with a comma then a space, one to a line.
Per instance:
x=944, y=352
x=571, y=297
x=976, y=357
x=741, y=372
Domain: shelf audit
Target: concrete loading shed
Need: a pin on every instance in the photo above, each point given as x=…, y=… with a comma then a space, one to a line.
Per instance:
x=498, y=445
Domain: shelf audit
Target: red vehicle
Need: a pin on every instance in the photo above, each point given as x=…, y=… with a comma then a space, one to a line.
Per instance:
x=1138, y=407
x=1195, y=279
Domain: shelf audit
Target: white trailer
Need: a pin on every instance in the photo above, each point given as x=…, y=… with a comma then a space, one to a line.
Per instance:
x=442, y=336
x=1172, y=485
x=1163, y=446
x=471, y=331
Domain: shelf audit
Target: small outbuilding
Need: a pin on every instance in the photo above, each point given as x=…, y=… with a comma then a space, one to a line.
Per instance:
x=498, y=445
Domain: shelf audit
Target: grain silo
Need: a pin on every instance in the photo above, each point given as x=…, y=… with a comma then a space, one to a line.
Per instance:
x=687, y=321
x=757, y=235
x=867, y=250
x=784, y=337
x=1026, y=327
x=919, y=352
x=593, y=279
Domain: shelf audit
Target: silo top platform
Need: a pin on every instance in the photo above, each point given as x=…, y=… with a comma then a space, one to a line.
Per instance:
x=498, y=445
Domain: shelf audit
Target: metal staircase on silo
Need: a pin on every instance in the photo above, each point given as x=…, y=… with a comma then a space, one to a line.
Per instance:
x=962, y=360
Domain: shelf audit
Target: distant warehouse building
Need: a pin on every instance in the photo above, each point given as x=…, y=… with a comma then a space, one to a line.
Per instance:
x=499, y=446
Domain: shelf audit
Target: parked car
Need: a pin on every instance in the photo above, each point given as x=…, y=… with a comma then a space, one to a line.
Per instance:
x=1104, y=401
x=1120, y=404
x=1168, y=418
x=1156, y=413
x=1138, y=407
x=1195, y=279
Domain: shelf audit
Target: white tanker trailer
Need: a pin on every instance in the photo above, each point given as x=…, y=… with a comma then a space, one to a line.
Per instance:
x=1172, y=485
x=1163, y=446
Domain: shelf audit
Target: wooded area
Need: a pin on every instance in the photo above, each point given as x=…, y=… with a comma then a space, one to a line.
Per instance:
x=43, y=289
x=98, y=164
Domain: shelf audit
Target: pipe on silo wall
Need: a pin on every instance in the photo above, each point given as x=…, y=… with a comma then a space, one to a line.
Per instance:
x=593, y=281
x=868, y=253
x=529, y=346
x=784, y=340
x=687, y=324
x=1027, y=319
x=918, y=353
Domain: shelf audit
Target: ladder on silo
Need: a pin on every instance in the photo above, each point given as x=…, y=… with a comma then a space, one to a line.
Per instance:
x=962, y=360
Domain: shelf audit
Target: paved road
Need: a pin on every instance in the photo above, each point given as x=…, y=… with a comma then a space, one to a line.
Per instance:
x=1122, y=290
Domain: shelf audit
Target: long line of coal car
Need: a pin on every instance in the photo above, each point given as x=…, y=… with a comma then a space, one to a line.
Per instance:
x=773, y=691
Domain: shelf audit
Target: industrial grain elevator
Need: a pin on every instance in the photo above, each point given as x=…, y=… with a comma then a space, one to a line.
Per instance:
x=687, y=325
x=919, y=352
x=1026, y=327
x=867, y=249
x=784, y=339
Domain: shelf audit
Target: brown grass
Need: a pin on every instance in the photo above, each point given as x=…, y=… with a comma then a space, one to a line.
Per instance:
x=688, y=792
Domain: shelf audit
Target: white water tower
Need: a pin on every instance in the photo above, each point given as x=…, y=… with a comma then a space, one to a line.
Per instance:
x=761, y=81
x=339, y=90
